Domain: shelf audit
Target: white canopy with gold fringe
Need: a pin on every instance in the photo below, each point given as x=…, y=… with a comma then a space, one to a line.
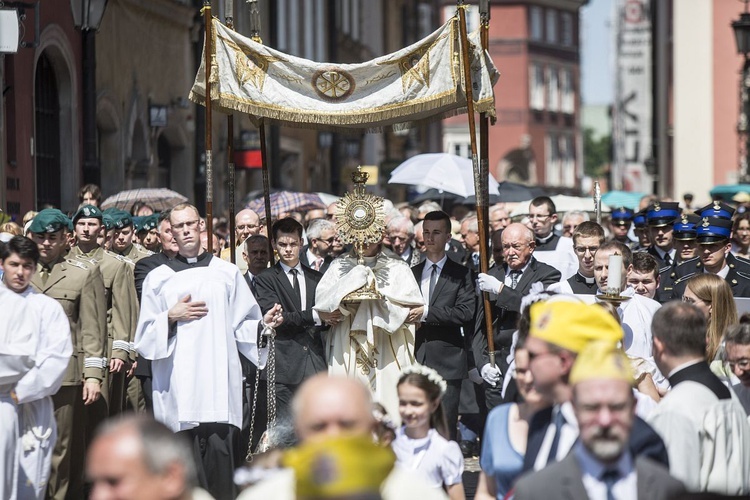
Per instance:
x=420, y=82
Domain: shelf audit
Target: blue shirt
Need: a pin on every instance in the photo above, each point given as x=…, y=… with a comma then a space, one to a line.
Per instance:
x=499, y=459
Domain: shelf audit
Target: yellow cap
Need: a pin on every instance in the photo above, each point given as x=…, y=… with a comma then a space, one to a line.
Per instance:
x=601, y=360
x=573, y=325
x=340, y=466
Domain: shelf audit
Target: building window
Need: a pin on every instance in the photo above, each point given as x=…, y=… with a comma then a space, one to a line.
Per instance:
x=567, y=161
x=535, y=23
x=472, y=16
x=47, y=135
x=425, y=19
x=536, y=87
x=567, y=95
x=551, y=26
x=552, y=160
x=553, y=90
x=566, y=29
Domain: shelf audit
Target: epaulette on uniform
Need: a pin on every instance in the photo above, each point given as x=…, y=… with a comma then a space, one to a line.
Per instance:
x=744, y=275
x=121, y=258
x=681, y=263
x=683, y=278
x=81, y=264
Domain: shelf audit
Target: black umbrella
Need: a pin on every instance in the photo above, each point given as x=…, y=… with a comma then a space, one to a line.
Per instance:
x=514, y=192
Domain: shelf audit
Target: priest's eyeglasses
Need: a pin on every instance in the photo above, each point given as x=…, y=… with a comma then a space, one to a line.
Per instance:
x=582, y=250
x=190, y=224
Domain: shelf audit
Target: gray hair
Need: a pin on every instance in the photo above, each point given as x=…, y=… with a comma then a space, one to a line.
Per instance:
x=738, y=334
x=577, y=213
x=401, y=222
x=429, y=206
x=473, y=224
x=255, y=238
x=317, y=226
x=161, y=447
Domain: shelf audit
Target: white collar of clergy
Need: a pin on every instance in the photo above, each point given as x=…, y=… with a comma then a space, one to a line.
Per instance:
x=193, y=260
x=583, y=279
x=546, y=238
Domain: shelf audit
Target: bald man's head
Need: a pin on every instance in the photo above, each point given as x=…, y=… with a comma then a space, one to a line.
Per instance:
x=246, y=223
x=518, y=245
x=328, y=406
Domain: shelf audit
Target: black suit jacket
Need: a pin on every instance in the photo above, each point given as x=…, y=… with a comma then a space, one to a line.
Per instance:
x=506, y=309
x=306, y=262
x=298, y=340
x=644, y=441
x=439, y=341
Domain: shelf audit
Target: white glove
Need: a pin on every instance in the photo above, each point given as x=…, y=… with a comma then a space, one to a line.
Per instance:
x=487, y=283
x=491, y=374
x=475, y=377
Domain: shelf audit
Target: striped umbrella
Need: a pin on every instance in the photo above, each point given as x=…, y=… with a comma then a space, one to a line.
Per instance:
x=159, y=199
x=287, y=201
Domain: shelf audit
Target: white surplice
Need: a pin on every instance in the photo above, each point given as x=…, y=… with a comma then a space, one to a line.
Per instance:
x=19, y=336
x=196, y=369
x=38, y=430
x=373, y=343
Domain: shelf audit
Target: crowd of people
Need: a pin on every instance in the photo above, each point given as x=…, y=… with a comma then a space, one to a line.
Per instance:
x=136, y=364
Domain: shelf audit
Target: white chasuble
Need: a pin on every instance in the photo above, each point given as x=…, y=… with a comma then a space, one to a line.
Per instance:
x=196, y=369
x=373, y=343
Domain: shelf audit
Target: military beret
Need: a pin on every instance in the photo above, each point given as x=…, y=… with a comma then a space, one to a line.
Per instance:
x=122, y=219
x=662, y=213
x=713, y=230
x=716, y=209
x=87, y=212
x=49, y=220
x=108, y=221
x=621, y=216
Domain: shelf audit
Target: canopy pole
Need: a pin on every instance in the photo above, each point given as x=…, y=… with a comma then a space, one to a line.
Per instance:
x=484, y=125
x=229, y=18
x=478, y=182
x=209, y=160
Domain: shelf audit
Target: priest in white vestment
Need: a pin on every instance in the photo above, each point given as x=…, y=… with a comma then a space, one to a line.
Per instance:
x=197, y=315
x=374, y=341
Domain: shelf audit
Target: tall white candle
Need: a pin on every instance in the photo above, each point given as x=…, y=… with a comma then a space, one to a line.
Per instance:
x=614, y=277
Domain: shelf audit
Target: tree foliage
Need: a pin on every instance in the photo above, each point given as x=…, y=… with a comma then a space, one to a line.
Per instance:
x=597, y=154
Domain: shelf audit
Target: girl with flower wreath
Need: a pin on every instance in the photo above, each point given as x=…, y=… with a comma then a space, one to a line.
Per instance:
x=421, y=442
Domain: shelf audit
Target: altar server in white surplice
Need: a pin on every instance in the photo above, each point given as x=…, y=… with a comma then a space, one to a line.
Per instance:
x=374, y=340
x=37, y=427
x=197, y=315
x=18, y=341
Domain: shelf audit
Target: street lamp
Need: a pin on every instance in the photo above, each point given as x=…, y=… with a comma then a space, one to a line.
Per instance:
x=87, y=16
x=741, y=28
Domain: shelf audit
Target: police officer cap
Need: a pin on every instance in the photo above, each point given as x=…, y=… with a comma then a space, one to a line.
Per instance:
x=685, y=228
x=49, y=220
x=639, y=219
x=716, y=209
x=621, y=216
x=662, y=213
x=87, y=212
x=713, y=230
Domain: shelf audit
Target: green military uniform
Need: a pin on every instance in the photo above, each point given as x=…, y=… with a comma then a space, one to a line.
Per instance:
x=79, y=288
x=122, y=309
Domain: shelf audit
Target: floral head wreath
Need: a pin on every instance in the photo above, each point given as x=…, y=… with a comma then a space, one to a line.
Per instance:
x=431, y=375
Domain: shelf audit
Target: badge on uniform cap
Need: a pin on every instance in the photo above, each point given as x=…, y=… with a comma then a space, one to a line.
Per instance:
x=705, y=222
x=684, y=218
x=623, y=210
x=657, y=206
x=50, y=228
x=87, y=211
x=717, y=205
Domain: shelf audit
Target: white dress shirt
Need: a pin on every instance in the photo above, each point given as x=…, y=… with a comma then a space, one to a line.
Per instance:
x=424, y=283
x=302, y=287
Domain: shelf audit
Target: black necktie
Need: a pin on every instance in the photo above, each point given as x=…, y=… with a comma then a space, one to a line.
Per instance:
x=295, y=285
x=514, y=277
x=609, y=478
x=433, y=280
x=667, y=260
x=559, y=421
x=252, y=286
x=475, y=258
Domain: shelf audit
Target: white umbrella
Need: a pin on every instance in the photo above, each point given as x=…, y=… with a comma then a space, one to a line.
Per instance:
x=564, y=204
x=443, y=171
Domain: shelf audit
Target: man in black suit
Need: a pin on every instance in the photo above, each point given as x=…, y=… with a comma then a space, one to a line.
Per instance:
x=559, y=331
x=448, y=290
x=299, y=343
x=256, y=256
x=470, y=241
x=316, y=255
x=507, y=284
